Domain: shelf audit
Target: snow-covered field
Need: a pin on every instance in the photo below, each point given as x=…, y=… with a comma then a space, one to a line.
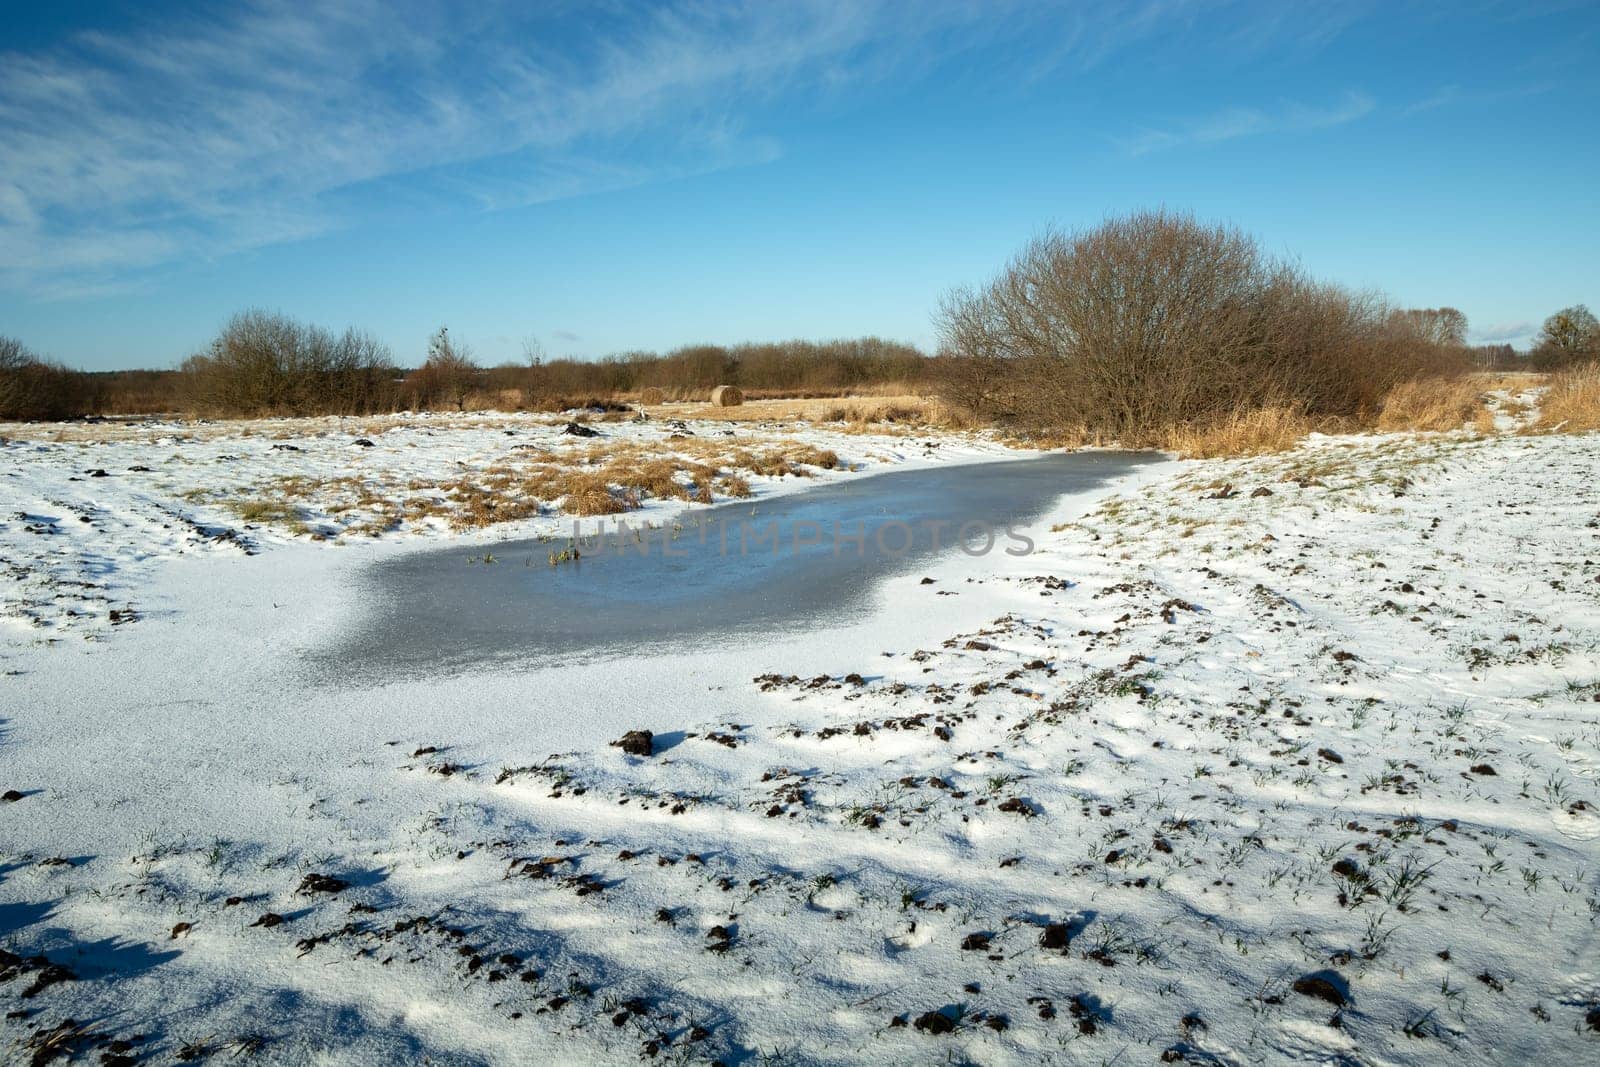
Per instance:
x=1279, y=759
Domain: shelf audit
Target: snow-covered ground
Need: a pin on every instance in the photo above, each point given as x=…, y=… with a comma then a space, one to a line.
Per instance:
x=1280, y=759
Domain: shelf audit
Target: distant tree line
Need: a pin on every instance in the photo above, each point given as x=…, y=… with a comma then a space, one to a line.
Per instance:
x=36, y=389
x=788, y=367
x=1145, y=322
x=266, y=363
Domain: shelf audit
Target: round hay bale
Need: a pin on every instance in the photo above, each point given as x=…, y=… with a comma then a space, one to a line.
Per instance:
x=726, y=396
x=652, y=396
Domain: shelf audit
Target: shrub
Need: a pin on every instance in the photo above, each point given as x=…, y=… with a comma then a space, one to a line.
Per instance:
x=34, y=389
x=1155, y=323
x=265, y=363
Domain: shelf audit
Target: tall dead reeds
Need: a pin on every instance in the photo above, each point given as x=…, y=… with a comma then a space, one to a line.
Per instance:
x=1436, y=404
x=1571, y=403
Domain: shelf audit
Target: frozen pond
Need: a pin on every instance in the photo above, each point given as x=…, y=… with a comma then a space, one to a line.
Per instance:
x=806, y=559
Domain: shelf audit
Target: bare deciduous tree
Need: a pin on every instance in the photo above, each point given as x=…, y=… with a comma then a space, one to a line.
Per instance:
x=267, y=363
x=1156, y=320
x=1435, y=326
x=1571, y=335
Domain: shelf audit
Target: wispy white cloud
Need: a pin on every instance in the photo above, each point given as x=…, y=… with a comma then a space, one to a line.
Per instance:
x=240, y=131
x=273, y=120
x=1453, y=95
x=1234, y=123
x=1443, y=96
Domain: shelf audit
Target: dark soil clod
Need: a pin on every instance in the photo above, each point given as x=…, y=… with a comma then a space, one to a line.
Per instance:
x=637, y=743
x=322, y=883
x=1322, y=987
x=1055, y=937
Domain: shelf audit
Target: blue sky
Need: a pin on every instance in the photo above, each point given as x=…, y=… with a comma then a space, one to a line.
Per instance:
x=613, y=175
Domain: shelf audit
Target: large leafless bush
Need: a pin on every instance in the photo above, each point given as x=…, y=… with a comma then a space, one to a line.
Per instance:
x=265, y=363
x=1156, y=320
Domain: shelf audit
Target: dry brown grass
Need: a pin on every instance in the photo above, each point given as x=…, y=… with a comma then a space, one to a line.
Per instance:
x=1571, y=404
x=662, y=478
x=913, y=412
x=265, y=511
x=1437, y=404
x=907, y=409
x=731, y=485
x=863, y=412
x=588, y=493
x=657, y=478
x=1517, y=409
x=1425, y=405
x=1513, y=381
x=782, y=460
x=1066, y=437
x=468, y=506
x=1246, y=433
x=812, y=456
